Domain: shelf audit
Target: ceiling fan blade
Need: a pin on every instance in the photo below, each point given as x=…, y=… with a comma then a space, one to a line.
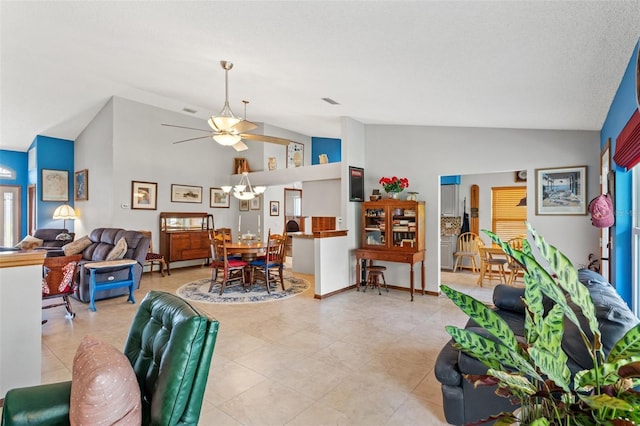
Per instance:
x=184, y=127
x=264, y=138
x=192, y=139
x=244, y=126
x=240, y=146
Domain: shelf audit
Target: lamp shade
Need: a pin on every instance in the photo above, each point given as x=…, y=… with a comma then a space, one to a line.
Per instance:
x=64, y=211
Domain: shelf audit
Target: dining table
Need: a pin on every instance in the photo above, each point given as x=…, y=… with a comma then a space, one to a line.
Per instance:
x=249, y=250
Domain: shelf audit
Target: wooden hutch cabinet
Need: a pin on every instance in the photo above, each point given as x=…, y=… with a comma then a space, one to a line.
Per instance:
x=185, y=236
x=392, y=231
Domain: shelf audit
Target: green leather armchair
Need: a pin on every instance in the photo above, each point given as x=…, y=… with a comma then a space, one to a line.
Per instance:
x=170, y=345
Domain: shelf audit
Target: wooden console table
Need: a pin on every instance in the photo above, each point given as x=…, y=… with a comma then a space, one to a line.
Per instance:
x=363, y=255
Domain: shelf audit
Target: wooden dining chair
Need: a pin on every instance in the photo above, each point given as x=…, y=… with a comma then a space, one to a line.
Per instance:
x=489, y=265
x=266, y=268
x=58, y=279
x=515, y=269
x=467, y=248
x=229, y=269
x=152, y=257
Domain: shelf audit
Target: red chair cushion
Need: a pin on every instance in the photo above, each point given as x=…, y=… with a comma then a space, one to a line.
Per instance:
x=233, y=263
x=154, y=256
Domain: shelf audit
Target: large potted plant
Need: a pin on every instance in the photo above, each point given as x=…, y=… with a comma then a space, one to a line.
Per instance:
x=532, y=370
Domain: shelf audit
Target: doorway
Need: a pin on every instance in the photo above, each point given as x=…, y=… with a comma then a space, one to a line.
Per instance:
x=10, y=215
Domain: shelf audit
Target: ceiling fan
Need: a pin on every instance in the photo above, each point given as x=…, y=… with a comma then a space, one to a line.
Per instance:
x=227, y=129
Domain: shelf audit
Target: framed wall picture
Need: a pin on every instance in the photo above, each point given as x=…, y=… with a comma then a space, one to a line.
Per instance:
x=255, y=203
x=561, y=191
x=55, y=185
x=186, y=194
x=144, y=195
x=274, y=208
x=356, y=184
x=295, y=154
x=218, y=198
x=81, y=185
x=244, y=205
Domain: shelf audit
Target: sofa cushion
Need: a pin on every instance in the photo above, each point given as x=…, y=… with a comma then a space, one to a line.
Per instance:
x=29, y=243
x=119, y=250
x=104, y=388
x=77, y=246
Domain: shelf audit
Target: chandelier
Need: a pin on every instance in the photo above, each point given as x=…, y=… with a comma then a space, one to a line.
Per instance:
x=244, y=190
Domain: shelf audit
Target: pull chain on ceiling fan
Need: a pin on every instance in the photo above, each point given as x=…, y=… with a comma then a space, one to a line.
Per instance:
x=227, y=128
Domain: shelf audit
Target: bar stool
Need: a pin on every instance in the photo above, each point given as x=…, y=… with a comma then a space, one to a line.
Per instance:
x=374, y=273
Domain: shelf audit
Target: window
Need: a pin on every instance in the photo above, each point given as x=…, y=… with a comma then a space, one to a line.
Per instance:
x=6, y=173
x=508, y=217
x=10, y=215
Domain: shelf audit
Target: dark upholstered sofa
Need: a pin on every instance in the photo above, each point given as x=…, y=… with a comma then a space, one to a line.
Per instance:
x=102, y=242
x=463, y=403
x=52, y=240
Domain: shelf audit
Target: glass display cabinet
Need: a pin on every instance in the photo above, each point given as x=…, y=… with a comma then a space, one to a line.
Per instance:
x=185, y=236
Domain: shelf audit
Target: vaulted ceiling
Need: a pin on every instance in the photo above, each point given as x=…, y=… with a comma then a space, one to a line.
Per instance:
x=513, y=64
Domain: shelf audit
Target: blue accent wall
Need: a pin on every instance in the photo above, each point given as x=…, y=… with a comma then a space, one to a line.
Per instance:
x=623, y=106
x=55, y=154
x=331, y=147
x=17, y=161
x=450, y=180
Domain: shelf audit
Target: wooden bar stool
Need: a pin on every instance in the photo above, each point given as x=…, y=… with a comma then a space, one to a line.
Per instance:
x=374, y=274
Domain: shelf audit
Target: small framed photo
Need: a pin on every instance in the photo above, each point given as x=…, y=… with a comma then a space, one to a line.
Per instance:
x=295, y=154
x=218, y=198
x=274, y=208
x=186, y=194
x=81, y=185
x=255, y=203
x=561, y=191
x=244, y=205
x=55, y=185
x=144, y=195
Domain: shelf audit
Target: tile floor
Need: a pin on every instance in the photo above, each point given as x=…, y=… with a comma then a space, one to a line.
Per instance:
x=351, y=359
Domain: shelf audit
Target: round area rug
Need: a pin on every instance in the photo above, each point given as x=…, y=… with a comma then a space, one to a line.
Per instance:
x=198, y=291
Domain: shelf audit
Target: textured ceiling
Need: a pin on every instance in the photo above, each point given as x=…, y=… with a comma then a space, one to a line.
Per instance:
x=514, y=64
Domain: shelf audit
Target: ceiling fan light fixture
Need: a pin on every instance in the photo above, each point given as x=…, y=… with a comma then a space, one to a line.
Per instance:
x=227, y=139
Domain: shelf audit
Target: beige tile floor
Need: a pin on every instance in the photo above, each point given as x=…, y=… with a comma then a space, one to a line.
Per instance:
x=351, y=359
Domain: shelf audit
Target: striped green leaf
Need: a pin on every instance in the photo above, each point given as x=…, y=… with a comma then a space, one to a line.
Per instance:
x=568, y=280
x=484, y=316
x=492, y=354
x=627, y=346
x=517, y=384
x=605, y=401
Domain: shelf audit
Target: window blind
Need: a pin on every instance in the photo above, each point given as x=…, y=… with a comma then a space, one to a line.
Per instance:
x=627, y=152
x=507, y=218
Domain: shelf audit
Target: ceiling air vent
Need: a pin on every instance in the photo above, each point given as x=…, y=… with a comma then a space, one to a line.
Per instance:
x=189, y=110
x=330, y=101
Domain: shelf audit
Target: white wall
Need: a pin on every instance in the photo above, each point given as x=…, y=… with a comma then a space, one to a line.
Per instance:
x=423, y=154
x=321, y=198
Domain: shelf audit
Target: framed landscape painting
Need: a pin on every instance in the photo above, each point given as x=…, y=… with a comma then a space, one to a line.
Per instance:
x=186, y=194
x=561, y=191
x=218, y=198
